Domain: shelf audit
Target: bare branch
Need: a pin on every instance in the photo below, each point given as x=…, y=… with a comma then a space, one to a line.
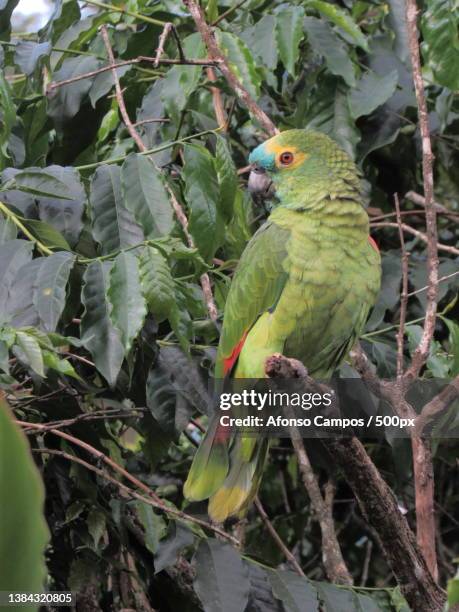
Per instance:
x=137, y=60
x=150, y=499
x=421, y=235
x=379, y=505
x=217, y=101
x=208, y=36
x=168, y=28
x=278, y=366
x=417, y=198
x=404, y=293
x=276, y=537
x=422, y=350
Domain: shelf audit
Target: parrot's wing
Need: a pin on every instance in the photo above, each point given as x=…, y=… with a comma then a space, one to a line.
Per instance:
x=257, y=285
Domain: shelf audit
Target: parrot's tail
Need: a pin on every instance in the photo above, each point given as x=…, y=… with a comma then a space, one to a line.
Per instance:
x=229, y=478
x=240, y=487
x=210, y=464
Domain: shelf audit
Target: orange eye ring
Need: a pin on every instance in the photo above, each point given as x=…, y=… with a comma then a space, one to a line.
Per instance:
x=286, y=158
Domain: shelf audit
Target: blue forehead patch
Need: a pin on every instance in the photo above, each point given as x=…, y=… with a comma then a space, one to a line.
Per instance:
x=261, y=157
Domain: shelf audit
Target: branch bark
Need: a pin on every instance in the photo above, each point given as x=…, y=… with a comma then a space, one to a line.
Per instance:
x=380, y=508
x=422, y=351
x=278, y=366
x=209, y=39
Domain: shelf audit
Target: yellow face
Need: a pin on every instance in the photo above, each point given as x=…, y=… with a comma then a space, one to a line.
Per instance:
x=286, y=157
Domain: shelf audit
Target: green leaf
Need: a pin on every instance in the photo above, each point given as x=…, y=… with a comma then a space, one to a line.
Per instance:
x=296, y=593
x=98, y=333
x=46, y=234
x=6, y=8
x=340, y=18
x=158, y=286
x=227, y=177
x=453, y=341
x=125, y=294
x=63, y=366
x=13, y=255
x=289, y=33
x=8, y=118
x=221, y=582
x=114, y=226
x=437, y=361
x=41, y=183
x=178, y=538
x=8, y=230
x=440, y=30
x=241, y=61
x=335, y=598
x=96, y=526
x=153, y=525
x=63, y=207
x=103, y=83
x=24, y=533
x=259, y=40
x=202, y=194
x=397, y=23
x=30, y=352
x=453, y=592
x=344, y=129
x=50, y=291
x=181, y=81
x=371, y=91
x=27, y=54
x=145, y=195
x=66, y=101
x=325, y=42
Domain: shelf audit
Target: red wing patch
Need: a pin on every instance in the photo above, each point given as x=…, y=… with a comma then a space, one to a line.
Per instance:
x=373, y=244
x=229, y=362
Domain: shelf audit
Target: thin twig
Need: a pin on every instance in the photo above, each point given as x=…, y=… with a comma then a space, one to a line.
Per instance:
x=278, y=366
x=422, y=350
x=228, y=12
x=276, y=537
x=151, y=501
x=417, y=198
x=145, y=121
x=217, y=101
x=214, y=51
x=440, y=280
x=136, y=60
x=117, y=9
x=421, y=235
x=168, y=28
x=179, y=212
x=404, y=293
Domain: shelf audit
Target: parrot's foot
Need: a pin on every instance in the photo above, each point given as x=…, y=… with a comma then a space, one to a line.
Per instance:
x=278, y=366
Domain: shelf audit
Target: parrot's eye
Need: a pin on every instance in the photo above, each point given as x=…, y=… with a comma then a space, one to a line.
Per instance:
x=286, y=158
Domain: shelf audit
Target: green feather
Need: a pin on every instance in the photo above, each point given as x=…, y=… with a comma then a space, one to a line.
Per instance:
x=304, y=287
x=209, y=468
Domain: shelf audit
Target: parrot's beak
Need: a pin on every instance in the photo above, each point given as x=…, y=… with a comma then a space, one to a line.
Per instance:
x=259, y=182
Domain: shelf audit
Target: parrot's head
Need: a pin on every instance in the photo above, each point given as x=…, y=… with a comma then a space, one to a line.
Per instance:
x=296, y=162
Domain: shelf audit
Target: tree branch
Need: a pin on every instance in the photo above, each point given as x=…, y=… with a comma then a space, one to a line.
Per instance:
x=380, y=508
x=422, y=350
x=278, y=366
x=404, y=293
x=179, y=212
x=152, y=499
x=421, y=235
x=276, y=537
x=209, y=39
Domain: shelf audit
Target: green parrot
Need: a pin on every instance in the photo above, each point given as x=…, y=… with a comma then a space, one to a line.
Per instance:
x=303, y=287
